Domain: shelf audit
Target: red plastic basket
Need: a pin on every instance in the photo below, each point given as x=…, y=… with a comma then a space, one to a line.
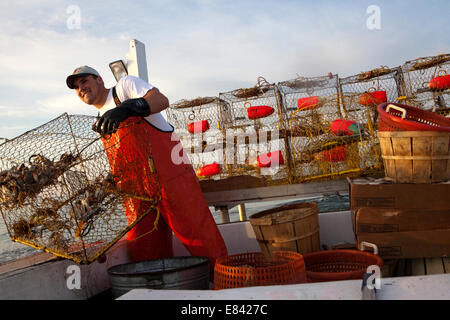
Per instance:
x=254, y=269
x=400, y=117
x=334, y=265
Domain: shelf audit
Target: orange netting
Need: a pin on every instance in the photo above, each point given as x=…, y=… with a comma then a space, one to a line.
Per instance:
x=253, y=269
x=333, y=265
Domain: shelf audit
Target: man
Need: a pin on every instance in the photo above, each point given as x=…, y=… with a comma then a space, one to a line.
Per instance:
x=183, y=208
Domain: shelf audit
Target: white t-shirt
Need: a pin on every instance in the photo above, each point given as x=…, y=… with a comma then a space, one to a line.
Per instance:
x=130, y=87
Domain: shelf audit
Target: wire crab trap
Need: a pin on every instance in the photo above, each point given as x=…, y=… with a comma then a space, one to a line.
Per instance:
x=256, y=121
x=62, y=193
x=332, y=155
x=361, y=94
x=209, y=165
x=253, y=108
x=256, y=153
x=196, y=119
x=427, y=83
x=310, y=103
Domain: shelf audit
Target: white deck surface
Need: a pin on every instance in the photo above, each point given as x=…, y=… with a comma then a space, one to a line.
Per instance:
x=432, y=287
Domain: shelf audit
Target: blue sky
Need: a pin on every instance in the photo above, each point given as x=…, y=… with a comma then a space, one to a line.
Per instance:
x=200, y=47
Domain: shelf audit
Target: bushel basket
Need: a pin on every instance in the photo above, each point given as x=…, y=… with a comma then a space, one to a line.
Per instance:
x=292, y=227
x=416, y=156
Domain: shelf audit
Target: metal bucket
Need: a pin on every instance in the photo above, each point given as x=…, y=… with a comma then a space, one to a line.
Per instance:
x=170, y=273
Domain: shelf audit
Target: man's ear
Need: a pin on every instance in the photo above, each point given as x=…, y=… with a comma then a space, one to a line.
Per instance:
x=100, y=80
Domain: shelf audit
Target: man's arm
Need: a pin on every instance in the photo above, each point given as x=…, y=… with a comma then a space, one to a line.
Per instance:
x=152, y=102
x=156, y=100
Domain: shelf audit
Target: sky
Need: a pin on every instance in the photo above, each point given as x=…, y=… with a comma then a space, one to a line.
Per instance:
x=199, y=48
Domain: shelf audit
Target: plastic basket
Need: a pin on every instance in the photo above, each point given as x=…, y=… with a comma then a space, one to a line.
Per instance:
x=253, y=269
x=334, y=265
x=400, y=117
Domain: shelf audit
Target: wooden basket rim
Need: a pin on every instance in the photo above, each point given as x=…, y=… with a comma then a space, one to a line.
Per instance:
x=263, y=217
x=405, y=134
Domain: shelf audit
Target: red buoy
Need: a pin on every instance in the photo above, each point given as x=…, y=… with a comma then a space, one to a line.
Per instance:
x=270, y=159
x=208, y=170
x=441, y=82
x=372, y=99
x=198, y=126
x=341, y=127
x=336, y=154
x=257, y=112
x=308, y=103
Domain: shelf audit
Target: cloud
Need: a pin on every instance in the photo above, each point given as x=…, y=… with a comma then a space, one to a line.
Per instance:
x=200, y=48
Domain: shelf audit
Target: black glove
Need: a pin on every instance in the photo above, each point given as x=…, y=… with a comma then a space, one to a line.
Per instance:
x=111, y=119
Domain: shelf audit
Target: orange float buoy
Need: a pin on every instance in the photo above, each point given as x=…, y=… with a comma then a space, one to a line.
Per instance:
x=270, y=159
x=441, y=82
x=198, y=126
x=308, y=103
x=372, y=99
x=208, y=170
x=336, y=154
x=257, y=112
x=341, y=127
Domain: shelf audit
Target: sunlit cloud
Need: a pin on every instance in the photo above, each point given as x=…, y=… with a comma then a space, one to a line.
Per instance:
x=199, y=47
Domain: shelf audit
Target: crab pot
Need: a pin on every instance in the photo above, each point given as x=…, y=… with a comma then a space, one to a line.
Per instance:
x=196, y=121
x=422, y=89
x=331, y=156
x=255, y=107
x=360, y=94
x=244, y=149
x=310, y=103
x=60, y=194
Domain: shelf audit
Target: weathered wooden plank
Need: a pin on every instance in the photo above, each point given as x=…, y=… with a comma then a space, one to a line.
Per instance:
x=386, y=148
x=309, y=189
x=440, y=147
x=421, y=168
x=434, y=265
x=402, y=147
x=446, y=262
x=388, y=268
x=417, y=267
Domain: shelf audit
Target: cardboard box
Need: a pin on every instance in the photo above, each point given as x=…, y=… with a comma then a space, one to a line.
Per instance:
x=365, y=193
x=401, y=234
x=410, y=244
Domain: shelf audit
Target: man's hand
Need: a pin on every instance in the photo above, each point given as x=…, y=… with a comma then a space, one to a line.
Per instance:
x=110, y=121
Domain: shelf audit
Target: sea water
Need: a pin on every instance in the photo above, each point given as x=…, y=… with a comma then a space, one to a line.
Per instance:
x=10, y=250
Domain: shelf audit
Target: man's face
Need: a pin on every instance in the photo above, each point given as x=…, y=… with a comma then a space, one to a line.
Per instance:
x=88, y=88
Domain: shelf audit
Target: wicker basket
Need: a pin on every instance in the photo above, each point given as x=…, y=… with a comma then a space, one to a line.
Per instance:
x=334, y=265
x=253, y=269
x=416, y=156
x=401, y=117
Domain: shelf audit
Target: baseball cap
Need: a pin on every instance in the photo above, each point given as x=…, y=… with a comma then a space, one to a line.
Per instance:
x=78, y=72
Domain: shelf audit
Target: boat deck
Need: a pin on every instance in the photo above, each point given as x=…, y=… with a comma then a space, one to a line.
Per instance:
x=43, y=276
x=433, y=287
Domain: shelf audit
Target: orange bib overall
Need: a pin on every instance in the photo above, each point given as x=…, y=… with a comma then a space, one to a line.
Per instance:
x=136, y=151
